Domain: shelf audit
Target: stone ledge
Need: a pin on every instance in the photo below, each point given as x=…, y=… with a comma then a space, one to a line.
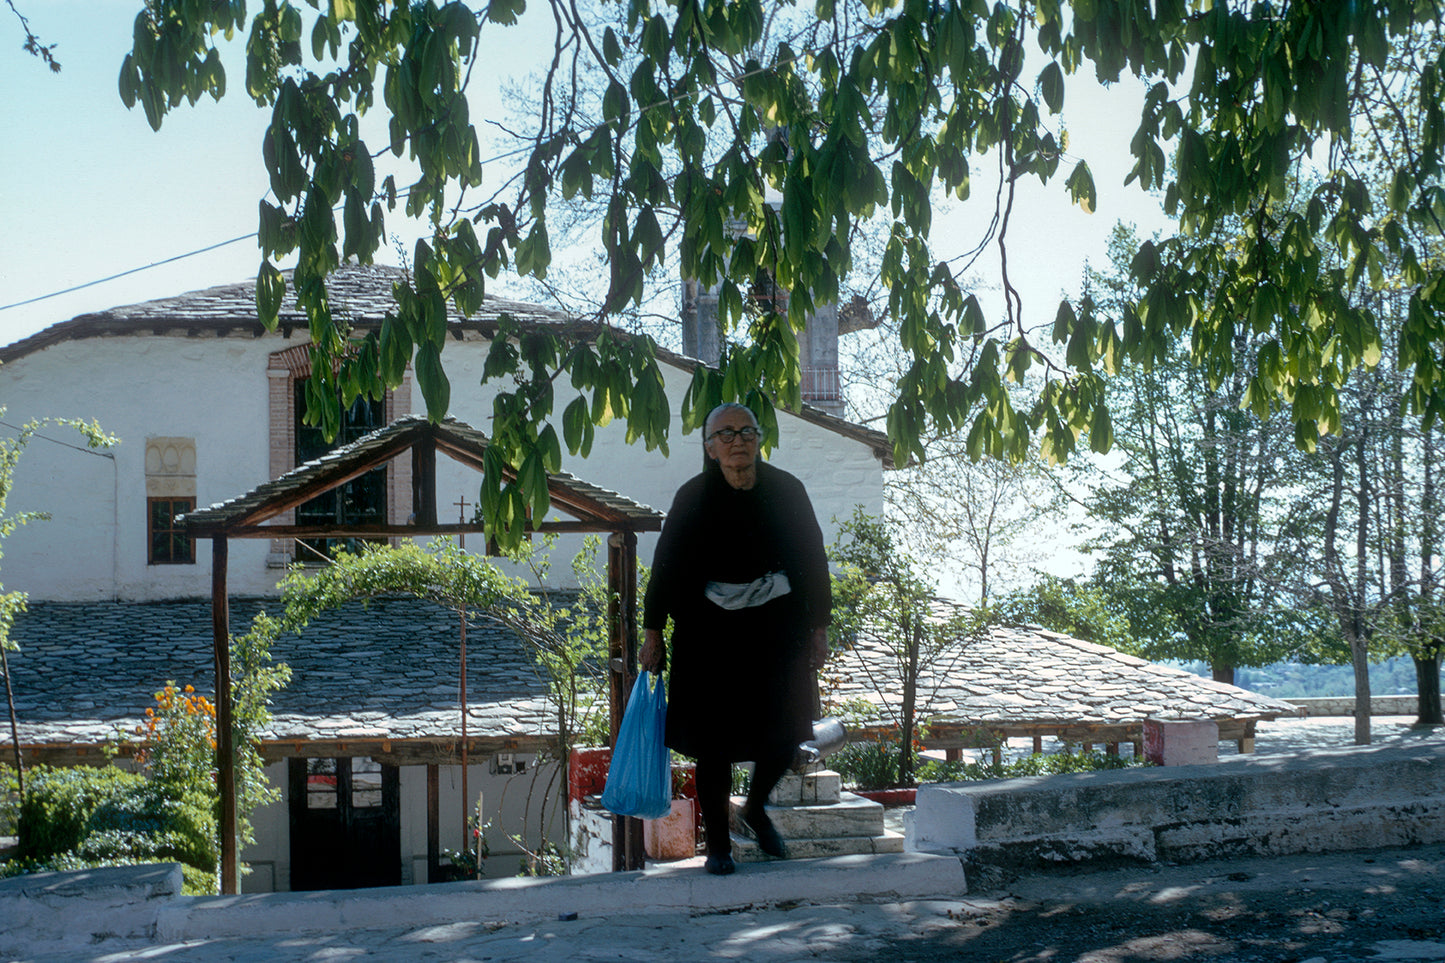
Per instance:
x=57, y=910
x=1320, y=801
x=678, y=886
x=87, y=906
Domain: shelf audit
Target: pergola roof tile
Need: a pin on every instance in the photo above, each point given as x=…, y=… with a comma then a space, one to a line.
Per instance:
x=387, y=669
x=589, y=502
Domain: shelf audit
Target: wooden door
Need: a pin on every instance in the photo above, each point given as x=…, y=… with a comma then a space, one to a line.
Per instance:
x=345, y=823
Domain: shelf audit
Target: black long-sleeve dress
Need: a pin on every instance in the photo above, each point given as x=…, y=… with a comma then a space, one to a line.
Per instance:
x=741, y=685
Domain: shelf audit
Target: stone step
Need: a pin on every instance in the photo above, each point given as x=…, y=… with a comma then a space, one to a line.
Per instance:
x=819, y=787
x=745, y=849
x=850, y=816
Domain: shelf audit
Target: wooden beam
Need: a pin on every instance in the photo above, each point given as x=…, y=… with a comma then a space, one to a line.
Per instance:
x=560, y=527
x=433, y=824
x=627, y=843
x=322, y=481
x=225, y=725
x=424, y=481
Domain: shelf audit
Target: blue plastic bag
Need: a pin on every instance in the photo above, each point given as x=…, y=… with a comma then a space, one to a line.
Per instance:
x=639, y=780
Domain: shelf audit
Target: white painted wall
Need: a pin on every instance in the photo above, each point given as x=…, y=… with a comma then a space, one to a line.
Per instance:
x=94, y=547
x=513, y=803
x=215, y=391
x=269, y=857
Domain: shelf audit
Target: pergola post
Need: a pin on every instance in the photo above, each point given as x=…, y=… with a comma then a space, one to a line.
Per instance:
x=627, y=844
x=254, y=515
x=225, y=726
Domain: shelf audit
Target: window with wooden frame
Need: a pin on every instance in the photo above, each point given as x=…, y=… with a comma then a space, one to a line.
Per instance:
x=169, y=544
x=361, y=501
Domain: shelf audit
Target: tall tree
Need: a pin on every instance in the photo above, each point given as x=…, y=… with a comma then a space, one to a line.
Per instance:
x=983, y=521
x=867, y=109
x=1190, y=505
x=1371, y=514
x=1376, y=511
x=883, y=593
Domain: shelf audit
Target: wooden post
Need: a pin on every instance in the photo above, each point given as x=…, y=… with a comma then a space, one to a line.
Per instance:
x=225, y=724
x=433, y=824
x=627, y=843
x=1245, y=742
x=424, y=482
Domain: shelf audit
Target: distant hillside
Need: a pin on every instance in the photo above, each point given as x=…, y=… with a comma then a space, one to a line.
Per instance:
x=1290, y=680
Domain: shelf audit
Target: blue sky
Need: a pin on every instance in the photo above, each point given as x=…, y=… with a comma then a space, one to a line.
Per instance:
x=91, y=191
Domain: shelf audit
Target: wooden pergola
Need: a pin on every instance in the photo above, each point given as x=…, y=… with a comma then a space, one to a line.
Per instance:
x=253, y=515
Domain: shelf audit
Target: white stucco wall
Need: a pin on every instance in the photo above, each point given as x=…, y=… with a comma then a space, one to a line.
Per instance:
x=268, y=859
x=215, y=390
x=94, y=547
x=513, y=804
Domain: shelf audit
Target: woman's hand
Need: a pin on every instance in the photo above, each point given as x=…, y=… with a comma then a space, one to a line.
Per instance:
x=650, y=658
x=818, y=643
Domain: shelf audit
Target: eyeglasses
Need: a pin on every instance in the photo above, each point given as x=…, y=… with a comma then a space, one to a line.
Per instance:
x=726, y=435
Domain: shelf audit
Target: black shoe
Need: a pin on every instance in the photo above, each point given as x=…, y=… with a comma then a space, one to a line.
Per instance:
x=758, y=823
x=720, y=865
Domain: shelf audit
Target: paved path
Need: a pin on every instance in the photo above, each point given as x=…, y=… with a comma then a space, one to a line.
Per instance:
x=1381, y=906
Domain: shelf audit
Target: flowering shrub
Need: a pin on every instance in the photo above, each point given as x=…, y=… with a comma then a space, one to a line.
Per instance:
x=82, y=817
x=179, y=739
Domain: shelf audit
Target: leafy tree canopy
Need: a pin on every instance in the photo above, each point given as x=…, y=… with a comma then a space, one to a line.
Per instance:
x=846, y=111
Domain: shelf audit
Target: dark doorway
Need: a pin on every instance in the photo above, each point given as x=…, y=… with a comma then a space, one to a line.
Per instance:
x=345, y=824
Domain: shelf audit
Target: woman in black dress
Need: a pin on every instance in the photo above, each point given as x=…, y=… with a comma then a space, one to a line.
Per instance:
x=741, y=570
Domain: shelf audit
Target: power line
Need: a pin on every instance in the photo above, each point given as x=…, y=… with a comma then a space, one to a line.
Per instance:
x=56, y=441
x=134, y=270
x=736, y=79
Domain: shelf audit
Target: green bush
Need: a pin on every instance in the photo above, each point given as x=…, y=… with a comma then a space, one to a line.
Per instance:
x=84, y=817
x=1036, y=764
x=874, y=765
x=867, y=765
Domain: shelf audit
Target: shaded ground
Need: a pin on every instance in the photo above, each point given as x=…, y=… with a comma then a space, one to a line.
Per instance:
x=1387, y=905
x=1383, y=906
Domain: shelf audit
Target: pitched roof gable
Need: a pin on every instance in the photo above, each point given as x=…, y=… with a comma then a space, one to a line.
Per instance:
x=598, y=507
x=360, y=295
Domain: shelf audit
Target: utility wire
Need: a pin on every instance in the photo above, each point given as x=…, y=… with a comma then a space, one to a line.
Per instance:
x=736, y=79
x=134, y=270
x=56, y=441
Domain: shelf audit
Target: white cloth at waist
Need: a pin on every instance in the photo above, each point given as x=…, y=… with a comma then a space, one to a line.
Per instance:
x=746, y=595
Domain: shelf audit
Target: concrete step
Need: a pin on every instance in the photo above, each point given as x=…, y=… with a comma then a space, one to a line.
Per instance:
x=850, y=816
x=745, y=848
x=818, y=787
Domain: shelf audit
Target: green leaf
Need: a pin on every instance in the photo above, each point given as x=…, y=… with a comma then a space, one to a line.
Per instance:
x=270, y=289
x=432, y=380
x=1051, y=85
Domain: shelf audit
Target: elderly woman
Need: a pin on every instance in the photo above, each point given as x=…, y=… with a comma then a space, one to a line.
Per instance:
x=741, y=570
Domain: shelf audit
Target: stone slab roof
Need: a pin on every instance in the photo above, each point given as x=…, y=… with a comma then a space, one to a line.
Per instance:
x=1026, y=679
x=388, y=670
x=359, y=295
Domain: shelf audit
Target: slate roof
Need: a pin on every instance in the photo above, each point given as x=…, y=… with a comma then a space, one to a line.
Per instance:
x=1027, y=680
x=389, y=671
x=457, y=438
x=384, y=671
x=360, y=295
